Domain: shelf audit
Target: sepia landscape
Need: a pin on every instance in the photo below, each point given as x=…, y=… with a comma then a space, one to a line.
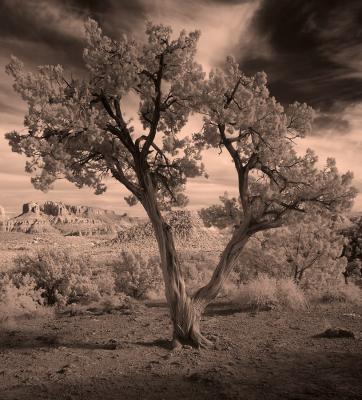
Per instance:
x=187, y=226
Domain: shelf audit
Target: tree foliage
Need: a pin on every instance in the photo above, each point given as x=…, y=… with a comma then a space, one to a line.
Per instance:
x=352, y=249
x=309, y=252
x=259, y=134
x=77, y=127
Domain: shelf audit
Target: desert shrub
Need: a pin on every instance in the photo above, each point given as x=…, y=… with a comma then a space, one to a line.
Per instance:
x=197, y=268
x=135, y=275
x=62, y=276
x=182, y=223
x=290, y=295
x=19, y=300
x=309, y=252
x=265, y=293
x=350, y=293
x=260, y=293
x=196, y=273
x=187, y=228
x=108, y=304
x=105, y=283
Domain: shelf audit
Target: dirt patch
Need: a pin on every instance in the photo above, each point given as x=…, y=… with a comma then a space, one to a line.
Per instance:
x=265, y=355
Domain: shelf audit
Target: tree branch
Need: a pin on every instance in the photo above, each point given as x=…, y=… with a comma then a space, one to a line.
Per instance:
x=156, y=111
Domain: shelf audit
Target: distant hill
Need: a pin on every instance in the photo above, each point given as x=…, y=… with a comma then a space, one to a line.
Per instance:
x=57, y=217
x=188, y=229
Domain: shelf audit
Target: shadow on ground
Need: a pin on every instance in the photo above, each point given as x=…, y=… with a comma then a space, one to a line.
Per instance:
x=212, y=310
x=323, y=376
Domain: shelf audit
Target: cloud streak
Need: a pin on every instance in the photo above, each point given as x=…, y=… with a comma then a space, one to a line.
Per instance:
x=314, y=51
x=310, y=50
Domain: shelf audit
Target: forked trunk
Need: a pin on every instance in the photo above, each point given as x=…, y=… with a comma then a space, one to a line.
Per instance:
x=186, y=311
x=185, y=314
x=226, y=264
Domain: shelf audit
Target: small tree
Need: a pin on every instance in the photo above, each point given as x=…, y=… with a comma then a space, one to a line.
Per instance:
x=77, y=130
x=309, y=252
x=313, y=249
x=353, y=250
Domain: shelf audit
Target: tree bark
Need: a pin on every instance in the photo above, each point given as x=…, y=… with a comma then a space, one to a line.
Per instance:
x=225, y=266
x=186, y=311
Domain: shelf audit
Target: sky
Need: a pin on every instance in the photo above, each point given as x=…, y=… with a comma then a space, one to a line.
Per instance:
x=311, y=51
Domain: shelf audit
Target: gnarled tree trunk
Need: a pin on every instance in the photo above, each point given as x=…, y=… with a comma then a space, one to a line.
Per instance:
x=185, y=310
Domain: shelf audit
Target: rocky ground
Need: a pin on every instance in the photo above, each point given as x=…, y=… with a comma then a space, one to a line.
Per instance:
x=127, y=355
x=264, y=355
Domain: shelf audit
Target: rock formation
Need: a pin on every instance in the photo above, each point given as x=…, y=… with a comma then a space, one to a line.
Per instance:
x=66, y=219
x=2, y=218
x=31, y=207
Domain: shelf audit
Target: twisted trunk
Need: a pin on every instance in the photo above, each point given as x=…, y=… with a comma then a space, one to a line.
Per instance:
x=225, y=266
x=184, y=314
x=185, y=310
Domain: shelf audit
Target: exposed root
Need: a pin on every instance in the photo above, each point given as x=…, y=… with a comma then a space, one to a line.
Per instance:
x=194, y=339
x=200, y=341
x=176, y=344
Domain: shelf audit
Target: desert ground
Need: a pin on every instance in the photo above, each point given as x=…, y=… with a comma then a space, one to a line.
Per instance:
x=263, y=355
x=126, y=353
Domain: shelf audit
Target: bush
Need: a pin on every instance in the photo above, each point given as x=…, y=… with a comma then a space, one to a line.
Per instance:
x=290, y=295
x=17, y=301
x=104, y=281
x=135, y=276
x=350, y=293
x=259, y=293
x=196, y=273
x=267, y=293
x=108, y=304
x=197, y=270
x=62, y=277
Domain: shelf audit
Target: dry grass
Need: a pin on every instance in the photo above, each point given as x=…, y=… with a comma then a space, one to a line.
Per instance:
x=20, y=301
x=266, y=293
x=351, y=294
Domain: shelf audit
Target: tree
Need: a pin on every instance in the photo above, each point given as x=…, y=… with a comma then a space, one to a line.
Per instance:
x=77, y=130
x=309, y=252
x=274, y=182
x=313, y=250
x=352, y=249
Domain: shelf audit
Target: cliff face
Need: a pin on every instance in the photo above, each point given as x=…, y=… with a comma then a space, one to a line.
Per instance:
x=66, y=219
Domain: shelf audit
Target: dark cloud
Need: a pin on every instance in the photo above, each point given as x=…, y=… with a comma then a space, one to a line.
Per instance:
x=49, y=31
x=30, y=24
x=26, y=21
x=115, y=16
x=305, y=50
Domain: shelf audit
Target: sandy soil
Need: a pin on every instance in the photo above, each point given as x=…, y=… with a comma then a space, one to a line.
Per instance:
x=264, y=355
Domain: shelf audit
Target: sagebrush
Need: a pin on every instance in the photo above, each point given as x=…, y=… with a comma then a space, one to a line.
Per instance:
x=63, y=276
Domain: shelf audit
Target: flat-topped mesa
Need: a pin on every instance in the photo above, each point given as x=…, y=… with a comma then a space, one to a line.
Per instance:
x=55, y=216
x=56, y=209
x=31, y=207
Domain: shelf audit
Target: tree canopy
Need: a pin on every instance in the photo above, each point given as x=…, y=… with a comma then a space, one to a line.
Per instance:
x=77, y=128
x=259, y=134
